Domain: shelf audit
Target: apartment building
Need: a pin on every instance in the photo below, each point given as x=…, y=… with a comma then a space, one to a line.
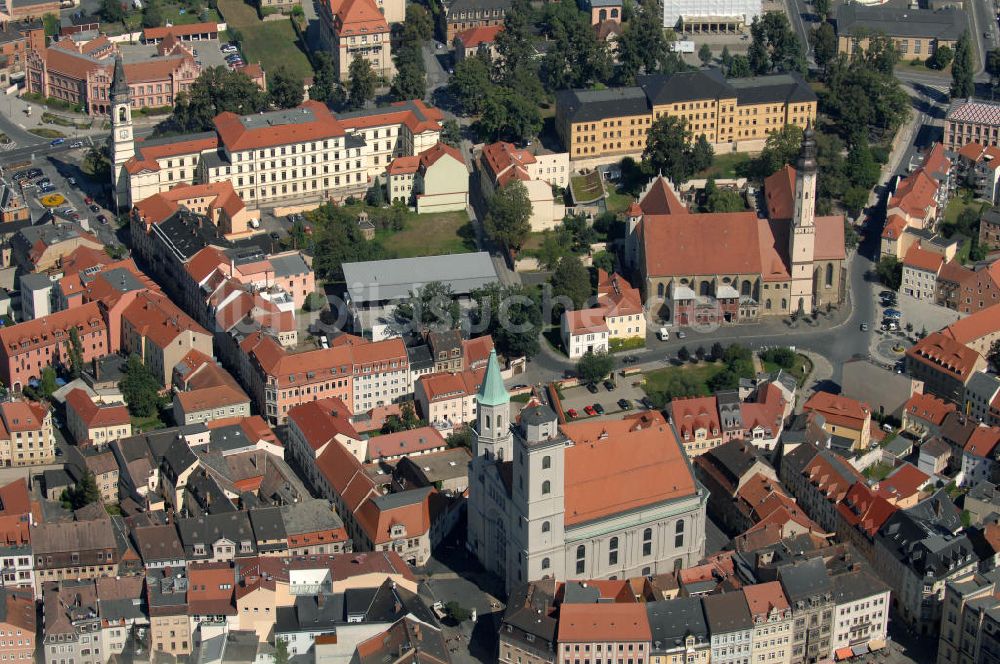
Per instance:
x=18, y=623
x=968, y=601
x=17, y=40
x=733, y=114
x=357, y=29
x=26, y=437
x=844, y=417
x=944, y=365
x=502, y=163
x=861, y=612
x=73, y=550
x=603, y=630
x=772, y=623
x=71, y=622
x=155, y=329
x=461, y=15
x=448, y=399
x=584, y=331
x=27, y=348
x=93, y=423
x=679, y=631
x=809, y=591
x=920, y=273
x=169, y=624
x=730, y=627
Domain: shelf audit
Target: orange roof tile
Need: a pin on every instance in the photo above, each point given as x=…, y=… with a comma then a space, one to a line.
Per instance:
x=929, y=408
x=180, y=30
x=357, y=17
x=974, y=326
x=93, y=415
x=209, y=398
x=586, y=321
x=660, y=198
x=320, y=421
x=403, y=165
x=838, y=409
x=779, y=192
x=158, y=319
x=693, y=414
x=587, y=623
x=983, y=441
x=474, y=37
x=236, y=136
x=431, y=155
x=414, y=441
x=615, y=466
x=919, y=258
x=946, y=354
x=763, y=598
x=51, y=329
x=902, y=483
x=971, y=151
x=451, y=385
x=915, y=194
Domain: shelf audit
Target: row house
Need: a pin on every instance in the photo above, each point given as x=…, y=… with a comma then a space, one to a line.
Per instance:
x=97, y=424
x=26, y=433
x=982, y=398
x=923, y=414
x=501, y=163
x=155, y=329
x=843, y=417
x=819, y=479
x=944, y=365
x=17, y=515
x=964, y=637
x=448, y=400
x=74, y=550
x=921, y=269
x=17, y=40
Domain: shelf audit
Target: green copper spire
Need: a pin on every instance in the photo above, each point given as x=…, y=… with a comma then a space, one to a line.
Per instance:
x=492, y=392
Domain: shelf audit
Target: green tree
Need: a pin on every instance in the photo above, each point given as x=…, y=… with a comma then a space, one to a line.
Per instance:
x=643, y=47
x=75, y=352
x=112, y=11
x=822, y=8
x=705, y=54
x=217, y=90
x=593, y=367
x=861, y=96
x=410, y=81
x=336, y=238
x=880, y=54
x=285, y=89
x=725, y=200
x=280, y=651
x=326, y=85
x=962, y=84
x=890, y=272
x=471, y=84
x=83, y=493
x=314, y=302
x=418, y=25
x=451, y=133
x=943, y=55
x=431, y=305
x=862, y=169
x=460, y=438
x=508, y=215
x=992, y=65
x=361, y=82
x=994, y=355
x=669, y=150
x=52, y=24
x=740, y=68
x=774, y=45
x=571, y=280
x=783, y=357
x=683, y=354
x=512, y=315
x=552, y=249
x=508, y=115
x=516, y=58
x=824, y=43
x=717, y=352
x=726, y=59
x=576, y=58
x=604, y=260
x=855, y=199
x=152, y=14
x=140, y=388
x=780, y=148
x=47, y=382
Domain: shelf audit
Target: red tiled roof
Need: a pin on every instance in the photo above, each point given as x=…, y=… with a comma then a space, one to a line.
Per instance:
x=431, y=155
x=902, y=483
x=179, y=30
x=94, y=416
x=51, y=329
x=696, y=413
x=357, y=17
x=452, y=385
x=414, y=441
x=586, y=321
x=403, y=165
x=946, y=354
x=587, y=623
x=237, y=137
x=158, y=319
x=915, y=194
x=838, y=409
x=320, y=421
x=974, y=326
x=474, y=37
x=763, y=598
x=660, y=199
x=920, y=259
x=929, y=408
x=779, y=192
x=983, y=441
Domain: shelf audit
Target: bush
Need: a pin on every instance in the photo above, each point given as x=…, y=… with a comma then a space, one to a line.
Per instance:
x=314, y=302
x=457, y=612
x=783, y=357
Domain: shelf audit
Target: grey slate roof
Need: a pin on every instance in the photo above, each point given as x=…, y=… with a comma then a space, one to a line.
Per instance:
x=309, y=516
x=788, y=88
x=685, y=86
x=944, y=24
x=592, y=105
x=805, y=579
x=676, y=619
x=158, y=543
x=401, y=498
x=268, y=525
x=727, y=612
x=852, y=586
x=234, y=526
x=286, y=266
x=378, y=281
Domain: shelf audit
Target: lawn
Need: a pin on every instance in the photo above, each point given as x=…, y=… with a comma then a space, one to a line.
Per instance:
x=586, y=188
x=958, y=204
x=147, y=423
x=430, y=235
x=877, y=471
x=271, y=44
x=800, y=369
x=725, y=165
x=617, y=202
x=172, y=15
x=693, y=377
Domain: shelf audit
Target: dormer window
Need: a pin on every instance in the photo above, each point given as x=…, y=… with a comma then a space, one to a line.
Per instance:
x=397, y=530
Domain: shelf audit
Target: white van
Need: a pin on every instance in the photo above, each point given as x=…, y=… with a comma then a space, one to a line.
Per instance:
x=663, y=334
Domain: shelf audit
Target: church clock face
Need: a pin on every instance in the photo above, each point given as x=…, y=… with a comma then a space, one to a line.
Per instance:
x=123, y=133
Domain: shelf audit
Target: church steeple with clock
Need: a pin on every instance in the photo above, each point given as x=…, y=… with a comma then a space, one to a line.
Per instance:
x=122, y=139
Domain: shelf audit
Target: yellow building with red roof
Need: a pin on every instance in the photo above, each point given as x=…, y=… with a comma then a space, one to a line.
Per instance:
x=357, y=29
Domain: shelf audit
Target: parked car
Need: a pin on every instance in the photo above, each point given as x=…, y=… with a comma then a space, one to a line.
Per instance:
x=681, y=334
x=57, y=141
x=625, y=404
x=864, y=327
x=608, y=385
x=20, y=175
x=589, y=410
x=34, y=172
x=72, y=181
x=599, y=408
x=42, y=182
x=646, y=403
x=94, y=208
x=101, y=218
x=47, y=189
x=76, y=144
x=572, y=414
x=630, y=359
x=592, y=388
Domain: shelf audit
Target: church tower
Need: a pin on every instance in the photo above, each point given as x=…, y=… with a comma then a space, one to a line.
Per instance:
x=802, y=235
x=122, y=139
x=493, y=434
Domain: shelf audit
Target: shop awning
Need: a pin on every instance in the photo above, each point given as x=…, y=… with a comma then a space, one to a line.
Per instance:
x=843, y=653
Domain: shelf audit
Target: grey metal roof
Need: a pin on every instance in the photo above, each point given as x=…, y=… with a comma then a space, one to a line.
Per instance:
x=788, y=88
x=401, y=498
x=309, y=516
x=853, y=586
x=292, y=264
x=419, y=357
x=685, y=86
x=35, y=281
x=943, y=24
x=379, y=281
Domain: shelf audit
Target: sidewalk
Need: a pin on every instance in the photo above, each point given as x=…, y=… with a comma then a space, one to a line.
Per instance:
x=16, y=111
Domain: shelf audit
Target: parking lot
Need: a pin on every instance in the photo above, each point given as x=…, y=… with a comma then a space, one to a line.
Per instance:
x=59, y=169
x=205, y=51
x=578, y=398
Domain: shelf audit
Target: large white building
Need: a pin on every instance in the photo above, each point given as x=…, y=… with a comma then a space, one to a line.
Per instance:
x=293, y=155
x=710, y=15
x=609, y=499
